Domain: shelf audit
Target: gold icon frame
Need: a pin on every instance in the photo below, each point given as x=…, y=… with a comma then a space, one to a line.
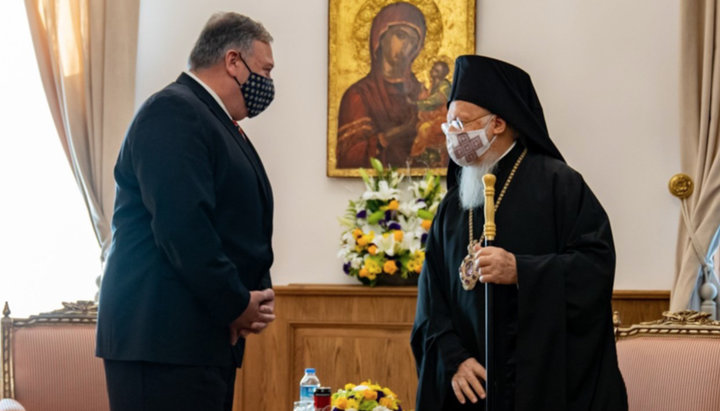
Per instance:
x=450, y=33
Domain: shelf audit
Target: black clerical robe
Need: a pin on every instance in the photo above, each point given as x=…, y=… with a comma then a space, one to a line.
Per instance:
x=554, y=342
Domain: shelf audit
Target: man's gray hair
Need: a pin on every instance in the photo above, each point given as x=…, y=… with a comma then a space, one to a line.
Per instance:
x=223, y=32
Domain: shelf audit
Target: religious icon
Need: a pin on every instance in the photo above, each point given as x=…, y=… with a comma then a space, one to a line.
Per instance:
x=389, y=79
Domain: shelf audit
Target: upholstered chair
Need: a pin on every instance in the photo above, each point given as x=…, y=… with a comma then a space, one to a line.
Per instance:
x=671, y=364
x=48, y=361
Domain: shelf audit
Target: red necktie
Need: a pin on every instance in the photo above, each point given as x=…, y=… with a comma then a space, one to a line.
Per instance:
x=242, y=133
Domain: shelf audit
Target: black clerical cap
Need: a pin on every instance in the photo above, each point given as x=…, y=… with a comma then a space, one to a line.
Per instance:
x=507, y=91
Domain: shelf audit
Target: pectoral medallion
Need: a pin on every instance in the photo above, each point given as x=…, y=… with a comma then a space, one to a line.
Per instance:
x=469, y=274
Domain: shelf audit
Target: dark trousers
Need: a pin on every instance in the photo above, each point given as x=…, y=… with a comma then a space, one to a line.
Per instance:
x=452, y=404
x=146, y=386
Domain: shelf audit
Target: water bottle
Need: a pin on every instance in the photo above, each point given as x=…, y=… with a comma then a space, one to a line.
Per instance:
x=308, y=384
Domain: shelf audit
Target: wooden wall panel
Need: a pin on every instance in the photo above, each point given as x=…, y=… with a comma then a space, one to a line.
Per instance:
x=360, y=350
x=352, y=333
x=638, y=306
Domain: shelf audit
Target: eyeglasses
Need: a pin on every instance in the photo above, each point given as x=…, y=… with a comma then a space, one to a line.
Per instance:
x=458, y=125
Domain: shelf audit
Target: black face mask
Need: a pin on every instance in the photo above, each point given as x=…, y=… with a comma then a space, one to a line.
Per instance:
x=258, y=91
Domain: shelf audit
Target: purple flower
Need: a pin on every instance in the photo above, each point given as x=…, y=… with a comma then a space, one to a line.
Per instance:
x=423, y=238
x=394, y=226
x=346, y=268
x=361, y=214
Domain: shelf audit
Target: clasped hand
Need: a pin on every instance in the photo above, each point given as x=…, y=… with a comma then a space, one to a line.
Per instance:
x=259, y=313
x=495, y=265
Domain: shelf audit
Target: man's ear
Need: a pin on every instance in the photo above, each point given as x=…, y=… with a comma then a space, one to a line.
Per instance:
x=499, y=125
x=233, y=65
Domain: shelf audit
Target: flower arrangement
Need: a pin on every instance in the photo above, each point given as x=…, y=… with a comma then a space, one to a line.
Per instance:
x=365, y=397
x=385, y=232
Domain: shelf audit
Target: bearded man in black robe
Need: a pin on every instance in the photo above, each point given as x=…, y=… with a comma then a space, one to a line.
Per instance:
x=552, y=263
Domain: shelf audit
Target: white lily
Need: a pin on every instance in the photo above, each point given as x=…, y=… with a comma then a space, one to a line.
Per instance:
x=385, y=244
x=411, y=243
x=384, y=192
x=371, y=228
x=410, y=208
x=412, y=226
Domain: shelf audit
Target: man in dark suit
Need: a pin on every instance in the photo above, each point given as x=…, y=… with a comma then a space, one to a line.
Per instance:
x=187, y=277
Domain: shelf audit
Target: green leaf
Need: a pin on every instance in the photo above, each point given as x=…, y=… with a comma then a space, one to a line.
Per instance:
x=364, y=176
x=376, y=216
x=425, y=215
x=377, y=165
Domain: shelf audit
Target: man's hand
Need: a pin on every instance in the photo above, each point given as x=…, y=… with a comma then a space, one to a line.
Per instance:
x=466, y=384
x=256, y=317
x=496, y=265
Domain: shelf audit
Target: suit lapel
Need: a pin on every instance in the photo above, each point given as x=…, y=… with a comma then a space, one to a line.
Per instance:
x=261, y=168
x=241, y=141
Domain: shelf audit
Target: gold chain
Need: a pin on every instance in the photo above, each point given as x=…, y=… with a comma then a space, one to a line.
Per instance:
x=500, y=197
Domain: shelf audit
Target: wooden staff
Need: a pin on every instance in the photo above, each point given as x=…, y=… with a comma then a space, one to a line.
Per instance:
x=489, y=229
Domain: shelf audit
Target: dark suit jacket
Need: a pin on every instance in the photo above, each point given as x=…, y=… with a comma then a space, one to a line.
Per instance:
x=192, y=231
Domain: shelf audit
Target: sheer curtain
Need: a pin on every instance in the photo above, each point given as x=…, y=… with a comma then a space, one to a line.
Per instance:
x=700, y=150
x=86, y=51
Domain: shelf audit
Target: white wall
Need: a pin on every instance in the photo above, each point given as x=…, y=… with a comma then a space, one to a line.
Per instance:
x=606, y=72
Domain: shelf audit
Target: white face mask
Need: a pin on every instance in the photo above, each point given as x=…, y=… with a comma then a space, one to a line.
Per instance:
x=466, y=147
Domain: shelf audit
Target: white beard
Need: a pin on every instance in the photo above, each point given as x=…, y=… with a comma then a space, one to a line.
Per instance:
x=472, y=189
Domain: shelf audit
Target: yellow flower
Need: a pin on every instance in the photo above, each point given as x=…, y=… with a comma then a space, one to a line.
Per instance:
x=353, y=403
x=394, y=204
x=362, y=241
x=370, y=395
x=349, y=387
x=372, y=249
x=387, y=403
x=357, y=233
x=388, y=392
x=341, y=403
x=364, y=272
x=390, y=267
x=418, y=267
x=373, y=266
x=398, y=235
x=426, y=224
x=411, y=265
x=372, y=276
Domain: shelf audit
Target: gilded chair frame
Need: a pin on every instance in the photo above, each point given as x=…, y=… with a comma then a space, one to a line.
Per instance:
x=687, y=323
x=80, y=312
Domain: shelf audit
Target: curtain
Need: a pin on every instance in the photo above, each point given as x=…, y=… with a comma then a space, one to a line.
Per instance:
x=700, y=151
x=86, y=52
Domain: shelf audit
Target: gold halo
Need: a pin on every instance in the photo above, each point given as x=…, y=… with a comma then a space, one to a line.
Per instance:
x=681, y=186
x=433, y=34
